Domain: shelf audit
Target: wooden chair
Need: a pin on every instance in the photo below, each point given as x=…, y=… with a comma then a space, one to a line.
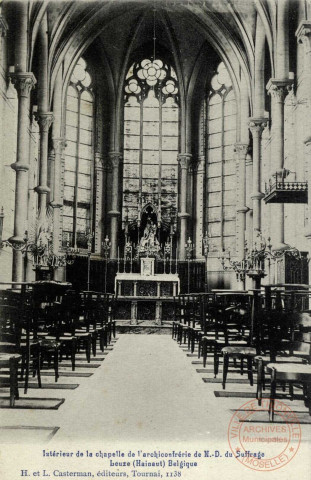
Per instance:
x=11, y=362
x=88, y=317
x=282, y=327
x=291, y=373
x=17, y=338
x=186, y=313
x=209, y=338
x=240, y=325
x=47, y=295
x=44, y=332
x=110, y=320
x=277, y=344
x=74, y=335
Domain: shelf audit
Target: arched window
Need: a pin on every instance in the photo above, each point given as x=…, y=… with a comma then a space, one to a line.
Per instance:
x=151, y=117
x=78, y=194
x=221, y=163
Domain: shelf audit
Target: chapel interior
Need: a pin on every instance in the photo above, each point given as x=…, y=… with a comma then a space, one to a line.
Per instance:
x=155, y=158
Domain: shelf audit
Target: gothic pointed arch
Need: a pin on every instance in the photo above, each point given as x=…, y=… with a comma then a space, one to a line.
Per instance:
x=151, y=142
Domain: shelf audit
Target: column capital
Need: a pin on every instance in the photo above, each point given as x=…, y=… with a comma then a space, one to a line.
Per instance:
x=241, y=149
x=303, y=34
x=59, y=144
x=45, y=120
x=24, y=82
x=257, y=124
x=184, y=160
x=115, y=158
x=4, y=27
x=278, y=88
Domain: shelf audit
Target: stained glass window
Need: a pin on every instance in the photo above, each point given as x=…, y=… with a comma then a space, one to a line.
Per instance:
x=221, y=163
x=77, y=210
x=151, y=129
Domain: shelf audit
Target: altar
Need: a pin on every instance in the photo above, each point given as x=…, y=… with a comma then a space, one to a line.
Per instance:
x=146, y=295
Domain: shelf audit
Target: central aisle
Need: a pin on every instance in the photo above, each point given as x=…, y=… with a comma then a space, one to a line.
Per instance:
x=147, y=389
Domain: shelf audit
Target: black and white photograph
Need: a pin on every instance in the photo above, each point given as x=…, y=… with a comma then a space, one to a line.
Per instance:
x=155, y=239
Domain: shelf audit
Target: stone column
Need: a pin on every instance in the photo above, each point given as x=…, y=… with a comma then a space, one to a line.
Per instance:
x=256, y=126
x=199, y=205
x=99, y=178
x=3, y=66
x=278, y=90
x=303, y=34
x=259, y=70
x=249, y=214
x=44, y=117
x=58, y=149
x=23, y=82
x=277, y=87
x=282, y=44
x=184, y=162
x=51, y=167
x=44, y=120
x=58, y=146
x=115, y=159
x=241, y=150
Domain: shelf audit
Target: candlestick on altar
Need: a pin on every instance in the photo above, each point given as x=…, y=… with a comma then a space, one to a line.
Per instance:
x=131, y=259
x=106, y=245
x=124, y=260
x=176, y=264
x=118, y=260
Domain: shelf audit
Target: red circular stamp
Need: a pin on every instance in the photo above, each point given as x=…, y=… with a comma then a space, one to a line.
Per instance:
x=259, y=444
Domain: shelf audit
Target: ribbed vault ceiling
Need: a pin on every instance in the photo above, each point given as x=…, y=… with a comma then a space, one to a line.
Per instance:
x=124, y=27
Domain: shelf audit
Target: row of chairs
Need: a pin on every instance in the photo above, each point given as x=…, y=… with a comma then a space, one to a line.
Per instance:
x=264, y=331
x=38, y=329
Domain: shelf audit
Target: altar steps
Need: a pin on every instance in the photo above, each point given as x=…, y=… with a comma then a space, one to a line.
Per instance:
x=147, y=327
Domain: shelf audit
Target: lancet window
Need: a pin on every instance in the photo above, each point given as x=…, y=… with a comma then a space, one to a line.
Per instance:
x=221, y=182
x=151, y=136
x=79, y=158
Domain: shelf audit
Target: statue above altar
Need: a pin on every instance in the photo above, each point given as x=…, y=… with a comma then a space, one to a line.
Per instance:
x=149, y=245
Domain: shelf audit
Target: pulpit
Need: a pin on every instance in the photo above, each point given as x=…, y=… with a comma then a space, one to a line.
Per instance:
x=146, y=295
